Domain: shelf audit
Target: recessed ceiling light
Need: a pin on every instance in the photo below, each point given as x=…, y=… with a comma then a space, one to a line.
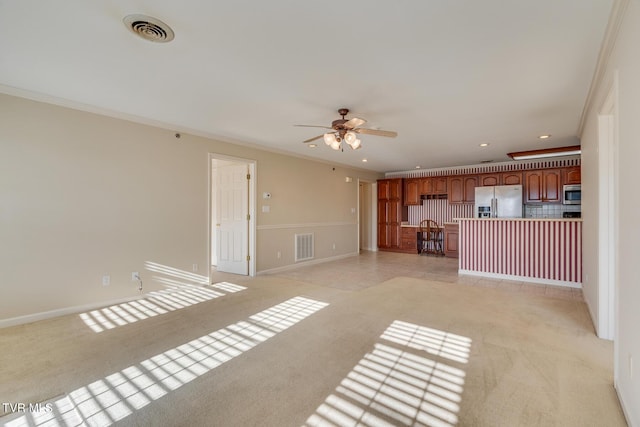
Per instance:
x=484, y=144
x=544, y=136
x=364, y=160
x=418, y=167
x=312, y=145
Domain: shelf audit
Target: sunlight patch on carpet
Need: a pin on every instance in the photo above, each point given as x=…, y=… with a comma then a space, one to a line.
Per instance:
x=177, y=296
x=106, y=401
x=440, y=343
x=390, y=386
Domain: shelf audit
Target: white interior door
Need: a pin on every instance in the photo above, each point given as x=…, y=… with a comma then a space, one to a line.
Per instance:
x=232, y=236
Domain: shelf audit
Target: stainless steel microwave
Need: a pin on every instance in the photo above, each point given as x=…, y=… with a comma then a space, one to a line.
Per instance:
x=572, y=194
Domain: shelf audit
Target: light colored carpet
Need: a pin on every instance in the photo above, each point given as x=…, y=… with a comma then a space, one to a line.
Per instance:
x=407, y=351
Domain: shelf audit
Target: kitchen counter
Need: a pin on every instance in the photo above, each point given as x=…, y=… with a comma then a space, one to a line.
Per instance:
x=418, y=226
x=543, y=250
x=519, y=219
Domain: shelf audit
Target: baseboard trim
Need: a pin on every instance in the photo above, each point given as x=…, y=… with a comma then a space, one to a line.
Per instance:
x=30, y=318
x=574, y=285
x=625, y=412
x=305, y=263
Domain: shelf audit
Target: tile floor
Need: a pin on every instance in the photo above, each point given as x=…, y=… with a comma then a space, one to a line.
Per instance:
x=372, y=268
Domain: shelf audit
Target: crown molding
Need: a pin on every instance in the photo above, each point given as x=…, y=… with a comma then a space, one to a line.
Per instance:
x=606, y=49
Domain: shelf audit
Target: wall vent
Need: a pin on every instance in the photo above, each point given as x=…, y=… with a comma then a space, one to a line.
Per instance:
x=304, y=247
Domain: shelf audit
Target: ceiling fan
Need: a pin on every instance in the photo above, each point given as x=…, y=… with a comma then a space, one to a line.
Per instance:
x=347, y=130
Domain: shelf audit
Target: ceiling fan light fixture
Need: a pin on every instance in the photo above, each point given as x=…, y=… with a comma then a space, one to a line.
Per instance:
x=329, y=138
x=350, y=137
x=355, y=144
x=347, y=130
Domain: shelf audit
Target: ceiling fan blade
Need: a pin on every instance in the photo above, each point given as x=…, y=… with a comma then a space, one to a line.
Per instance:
x=313, y=126
x=354, y=123
x=313, y=139
x=378, y=132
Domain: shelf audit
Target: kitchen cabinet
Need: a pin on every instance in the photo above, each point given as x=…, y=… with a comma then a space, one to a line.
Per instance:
x=390, y=211
x=412, y=191
x=511, y=178
x=414, y=188
x=462, y=188
x=571, y=175
x=489, y=179
x=434, y=186
x=409, y=239
x=439, y=185
x=389, y=189
x=543, y=186
x=451, y=232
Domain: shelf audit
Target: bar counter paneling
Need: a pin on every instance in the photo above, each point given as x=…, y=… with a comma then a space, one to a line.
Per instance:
x=536, y=250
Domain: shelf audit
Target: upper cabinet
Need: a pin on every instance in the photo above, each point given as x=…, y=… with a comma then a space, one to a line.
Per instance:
x=462, y=189
x=433, y=186
x=543, y=186
x=489, y=179
x=539, y=186
x=571, y=175
x=414, y=188
x=503, y=178
x=439, y=185
x=511, y=178
x=390, y=189
x=412, y=191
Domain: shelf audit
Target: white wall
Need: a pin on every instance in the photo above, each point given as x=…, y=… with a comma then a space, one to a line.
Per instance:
x=625, y=62
x=84, y=195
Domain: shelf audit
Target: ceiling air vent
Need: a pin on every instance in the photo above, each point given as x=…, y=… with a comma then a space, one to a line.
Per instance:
x=149, y=28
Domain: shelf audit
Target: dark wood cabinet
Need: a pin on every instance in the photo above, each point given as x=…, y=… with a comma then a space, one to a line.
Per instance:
x=390, y=210
x=504, y=178
x=571, y=175
x=412, y=191
x=414, y=188
x=451, y=232
x=489, y=179
x=409, y=239
x=543, y=186
x=439, y=185
x=426, y=186
x=462, y=189
x=433, y=186
x=511, y=178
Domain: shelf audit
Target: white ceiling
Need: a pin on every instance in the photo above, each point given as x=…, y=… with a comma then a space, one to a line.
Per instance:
x=447, y=75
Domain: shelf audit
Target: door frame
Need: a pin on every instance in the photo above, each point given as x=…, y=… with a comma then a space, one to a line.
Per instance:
x=608, y=217
x=253, y=166
x=370, y=212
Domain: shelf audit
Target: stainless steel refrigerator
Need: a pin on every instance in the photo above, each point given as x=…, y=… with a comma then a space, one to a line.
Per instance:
x=501, y=201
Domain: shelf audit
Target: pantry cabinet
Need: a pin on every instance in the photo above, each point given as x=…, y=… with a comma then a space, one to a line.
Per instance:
x=390, y=210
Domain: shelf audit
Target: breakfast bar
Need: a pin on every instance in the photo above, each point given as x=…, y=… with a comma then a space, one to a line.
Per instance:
x=527, y=249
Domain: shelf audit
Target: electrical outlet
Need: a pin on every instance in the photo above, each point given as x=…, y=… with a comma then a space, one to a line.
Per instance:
x=334, y=246
x=195, y=267
x=135, y=276
x=279, y=254
x=106, y=280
